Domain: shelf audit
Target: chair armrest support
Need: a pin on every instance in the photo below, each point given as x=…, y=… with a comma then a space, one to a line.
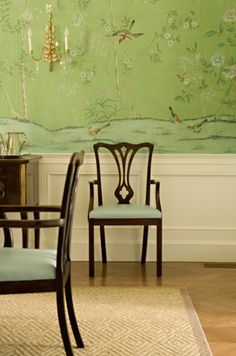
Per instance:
x=8, y=237
x=157, y=193
x=91, y=195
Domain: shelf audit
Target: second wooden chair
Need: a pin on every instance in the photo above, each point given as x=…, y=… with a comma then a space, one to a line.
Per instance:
x=124, y=212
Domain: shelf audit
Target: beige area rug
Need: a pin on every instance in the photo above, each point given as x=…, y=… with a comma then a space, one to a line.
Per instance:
x=113, y=321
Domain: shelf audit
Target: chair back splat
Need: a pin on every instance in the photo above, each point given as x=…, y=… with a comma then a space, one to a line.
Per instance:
x=124, y=212
x=40, y=270
x=123, y=154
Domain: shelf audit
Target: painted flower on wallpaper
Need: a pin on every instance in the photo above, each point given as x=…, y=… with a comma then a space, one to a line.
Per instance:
x=206, y=95
x=128, y=63
x=108, y=29
x=217, y=71
x=27, y=16
x=167, y=35
x=171, y=32
x=85, y=103
x=191, y=21
x=97, y=46
x=170, y=43
x=48, y=8
x=230, y=73
x=155, y=53
x=70, y=62
x=217, y=59
x=102, y=92
x=107, y=26
x=170, y=38
x=69, y=59
x=74, y=52
x=194, y=24
x=185, y=25
x=190, y=24
x=69, y=89
x=229, y=15
x=177, y=21
x=77, y=20
x=87, y=76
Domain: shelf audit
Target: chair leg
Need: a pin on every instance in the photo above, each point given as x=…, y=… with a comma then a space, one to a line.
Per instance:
x=25, y=236
x=103, y=244
x=62, y=321
x=71, y=313
x=144, y=247
x=91, y=250
x=8, y=237
x=36, y=231
x=159, y=250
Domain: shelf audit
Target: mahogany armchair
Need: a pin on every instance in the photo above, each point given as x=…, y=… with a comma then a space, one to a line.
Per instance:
x=124, y=212
x=25, y=270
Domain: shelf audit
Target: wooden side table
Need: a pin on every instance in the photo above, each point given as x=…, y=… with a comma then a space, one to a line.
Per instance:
x=19, y=185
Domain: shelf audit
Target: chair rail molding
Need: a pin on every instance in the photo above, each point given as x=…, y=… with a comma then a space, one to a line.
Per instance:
x=198, y=195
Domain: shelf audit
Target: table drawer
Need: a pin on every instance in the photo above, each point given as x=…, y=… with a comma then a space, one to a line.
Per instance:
x=10, y=184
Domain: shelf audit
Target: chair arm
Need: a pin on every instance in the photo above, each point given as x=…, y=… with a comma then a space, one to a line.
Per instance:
x=7, y=224
x=28, y=224
x=91, y=195
x=157, y=193
x=29, y=208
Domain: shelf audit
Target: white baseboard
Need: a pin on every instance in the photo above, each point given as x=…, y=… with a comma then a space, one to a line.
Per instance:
x=186, y=244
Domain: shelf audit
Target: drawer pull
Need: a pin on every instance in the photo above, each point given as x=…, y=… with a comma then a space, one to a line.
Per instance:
x=2, y=190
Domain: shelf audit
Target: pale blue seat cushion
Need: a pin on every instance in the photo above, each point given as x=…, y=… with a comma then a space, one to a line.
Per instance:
x=18, y=264
x=124, y=211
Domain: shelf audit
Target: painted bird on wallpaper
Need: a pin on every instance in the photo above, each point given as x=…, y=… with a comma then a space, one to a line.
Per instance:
x=197, y=127
x=183, y=77
x=93, y=130
x=174, y=116
x=126, y=34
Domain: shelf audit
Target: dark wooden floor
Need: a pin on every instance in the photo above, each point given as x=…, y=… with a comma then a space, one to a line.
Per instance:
x=212, y=290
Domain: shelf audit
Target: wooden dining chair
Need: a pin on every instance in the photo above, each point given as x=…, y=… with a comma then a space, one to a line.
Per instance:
x=123, y=212
x=24, y=270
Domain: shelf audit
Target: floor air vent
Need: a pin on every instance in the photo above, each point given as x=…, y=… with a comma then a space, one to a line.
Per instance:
x=220, y=265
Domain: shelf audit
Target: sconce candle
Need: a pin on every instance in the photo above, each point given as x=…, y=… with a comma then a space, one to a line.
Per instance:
x=30, y=39
x=66, y=34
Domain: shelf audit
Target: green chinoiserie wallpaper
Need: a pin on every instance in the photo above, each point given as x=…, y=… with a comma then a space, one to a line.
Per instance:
x=162, y=71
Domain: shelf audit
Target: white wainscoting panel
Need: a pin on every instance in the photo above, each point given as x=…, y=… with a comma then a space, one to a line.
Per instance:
x=198, y=195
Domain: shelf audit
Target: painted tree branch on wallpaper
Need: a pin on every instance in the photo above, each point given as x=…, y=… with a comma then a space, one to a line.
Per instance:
x=137, y=70
x=14, y=66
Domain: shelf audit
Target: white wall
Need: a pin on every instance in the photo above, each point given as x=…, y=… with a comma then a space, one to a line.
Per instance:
x=198, y=195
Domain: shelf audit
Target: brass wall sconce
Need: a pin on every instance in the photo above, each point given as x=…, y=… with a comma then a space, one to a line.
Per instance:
x=50, y=51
